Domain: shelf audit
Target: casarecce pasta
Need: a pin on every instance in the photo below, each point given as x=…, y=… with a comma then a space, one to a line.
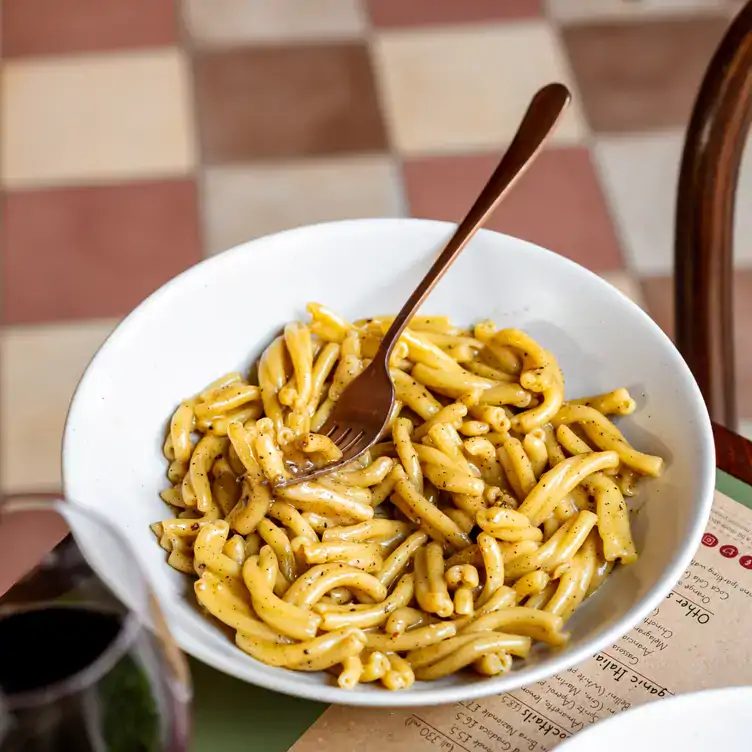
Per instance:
x=490, y=509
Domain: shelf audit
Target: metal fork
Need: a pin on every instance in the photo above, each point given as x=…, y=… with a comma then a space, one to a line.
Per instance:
x=361, y=415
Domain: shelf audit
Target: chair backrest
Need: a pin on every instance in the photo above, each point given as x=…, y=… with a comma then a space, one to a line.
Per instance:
x=713, y=151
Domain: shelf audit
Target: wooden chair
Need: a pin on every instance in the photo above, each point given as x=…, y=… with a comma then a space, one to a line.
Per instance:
x=713, y=150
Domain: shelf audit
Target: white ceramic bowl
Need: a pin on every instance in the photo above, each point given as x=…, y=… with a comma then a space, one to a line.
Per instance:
x=219, y=315
x=696, y=722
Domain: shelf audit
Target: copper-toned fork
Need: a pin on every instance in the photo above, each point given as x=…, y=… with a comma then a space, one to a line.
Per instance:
x=362, y=413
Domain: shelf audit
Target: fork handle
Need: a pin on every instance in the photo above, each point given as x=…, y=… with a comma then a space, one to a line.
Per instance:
x=541, y=117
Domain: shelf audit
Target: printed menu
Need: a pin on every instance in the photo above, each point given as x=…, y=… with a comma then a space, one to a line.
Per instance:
x=698, y=638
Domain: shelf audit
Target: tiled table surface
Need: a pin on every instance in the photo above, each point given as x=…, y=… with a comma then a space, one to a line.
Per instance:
x=138, y=137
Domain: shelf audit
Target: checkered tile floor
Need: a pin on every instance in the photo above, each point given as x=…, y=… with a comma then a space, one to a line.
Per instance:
x=139, y=136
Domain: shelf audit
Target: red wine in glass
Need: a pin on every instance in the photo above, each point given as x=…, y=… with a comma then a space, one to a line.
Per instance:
x=79, y=669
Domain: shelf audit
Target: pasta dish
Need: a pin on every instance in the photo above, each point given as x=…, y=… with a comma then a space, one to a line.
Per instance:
x=490, y=510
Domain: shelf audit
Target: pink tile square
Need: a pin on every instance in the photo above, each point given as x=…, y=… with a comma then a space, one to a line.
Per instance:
x=286, y=101
x=558, y=203
x=60, y=27
x=25, y=539
x=73, y=253
x=639, y=74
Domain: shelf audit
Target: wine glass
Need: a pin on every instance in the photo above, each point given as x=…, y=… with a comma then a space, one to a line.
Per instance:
x=80, y=669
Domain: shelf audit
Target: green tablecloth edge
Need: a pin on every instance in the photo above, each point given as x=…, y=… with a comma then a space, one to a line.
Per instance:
x=231, y=716
x=733, y=488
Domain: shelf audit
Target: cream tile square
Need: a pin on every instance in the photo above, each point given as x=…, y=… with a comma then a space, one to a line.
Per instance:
x=743, y=211
x=244, y=202
x=626, y=283
x=745, y=428
x=39, y=369
x=96, y=118
x=640, y=174
x=465, y=88
x=214, y=22
x=590, y=10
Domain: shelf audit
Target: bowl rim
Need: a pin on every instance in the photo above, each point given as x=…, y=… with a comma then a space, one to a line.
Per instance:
x=287, y=683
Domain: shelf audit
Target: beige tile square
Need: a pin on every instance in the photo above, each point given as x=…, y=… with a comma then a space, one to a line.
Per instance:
x=640, y=174
x=219, y=22
x=466, y=88
x=96, y=118
x=627, y=284
x=244, y=202
x=39, y=369
x=589, y=10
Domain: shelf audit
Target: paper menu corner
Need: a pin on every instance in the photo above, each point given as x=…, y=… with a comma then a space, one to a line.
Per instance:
x=668, y=653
